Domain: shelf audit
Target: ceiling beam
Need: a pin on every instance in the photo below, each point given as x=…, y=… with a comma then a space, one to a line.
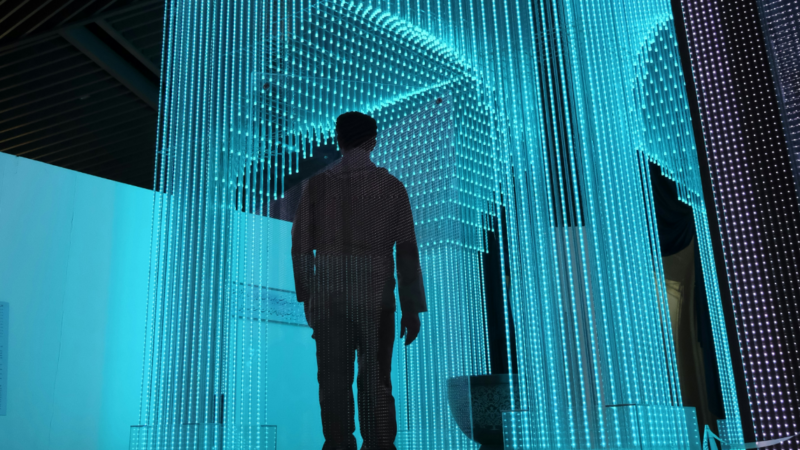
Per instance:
x=117, y=36
x=90, y=45
x=29, y=39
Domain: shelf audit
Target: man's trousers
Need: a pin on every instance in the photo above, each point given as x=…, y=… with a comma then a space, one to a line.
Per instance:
x=341, y=333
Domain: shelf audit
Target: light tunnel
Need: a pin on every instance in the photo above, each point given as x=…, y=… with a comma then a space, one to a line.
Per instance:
x=527, y=122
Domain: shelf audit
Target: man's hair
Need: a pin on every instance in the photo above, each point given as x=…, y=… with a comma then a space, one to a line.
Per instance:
x=354, y=128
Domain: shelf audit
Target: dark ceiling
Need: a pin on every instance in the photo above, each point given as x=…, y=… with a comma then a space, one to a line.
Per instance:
x=79, y=84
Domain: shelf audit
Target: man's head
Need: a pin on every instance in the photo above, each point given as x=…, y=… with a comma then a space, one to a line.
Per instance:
x=356, y=130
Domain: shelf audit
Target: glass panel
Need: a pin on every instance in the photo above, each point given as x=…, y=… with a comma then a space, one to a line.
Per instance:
x=203, y=437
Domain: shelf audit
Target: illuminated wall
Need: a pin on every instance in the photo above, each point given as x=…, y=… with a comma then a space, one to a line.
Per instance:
x=756, y=199
x=545, y=112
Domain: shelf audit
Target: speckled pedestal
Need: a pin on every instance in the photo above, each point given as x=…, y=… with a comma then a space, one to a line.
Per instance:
x=477, y=403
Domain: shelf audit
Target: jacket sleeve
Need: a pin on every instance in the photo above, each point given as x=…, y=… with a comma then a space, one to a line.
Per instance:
x=303, y=245
x=409, y=271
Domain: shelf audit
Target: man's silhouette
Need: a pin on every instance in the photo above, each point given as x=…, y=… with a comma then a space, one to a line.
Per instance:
x=355, y=216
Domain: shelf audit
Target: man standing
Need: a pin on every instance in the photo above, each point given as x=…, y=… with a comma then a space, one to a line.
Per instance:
x=355, y=216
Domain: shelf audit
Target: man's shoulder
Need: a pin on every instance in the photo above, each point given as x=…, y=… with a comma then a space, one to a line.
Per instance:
x=392, y=181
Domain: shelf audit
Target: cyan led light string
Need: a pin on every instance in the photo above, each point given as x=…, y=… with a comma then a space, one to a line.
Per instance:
x=682, y=162
x=575, y=96
x=581, y=419
x=648, y=277
x=432, y=170
x=180, y=348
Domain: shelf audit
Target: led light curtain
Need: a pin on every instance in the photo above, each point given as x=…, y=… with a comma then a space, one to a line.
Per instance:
x=448, y=177
x=544, y=112
x=749, y=159
x=594, y=332
x=204, y=379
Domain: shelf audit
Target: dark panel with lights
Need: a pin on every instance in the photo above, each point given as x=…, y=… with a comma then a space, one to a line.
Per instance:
x=756, y=201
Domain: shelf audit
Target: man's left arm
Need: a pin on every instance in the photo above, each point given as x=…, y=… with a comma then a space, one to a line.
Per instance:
x=303, y=245
x=409, y=272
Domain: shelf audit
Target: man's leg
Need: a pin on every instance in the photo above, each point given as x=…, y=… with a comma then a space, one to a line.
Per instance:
x=376, y=408
x=336, y=346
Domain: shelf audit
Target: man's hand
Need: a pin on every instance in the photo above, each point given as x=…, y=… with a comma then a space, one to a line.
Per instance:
x=307, y=310
x=409, y=327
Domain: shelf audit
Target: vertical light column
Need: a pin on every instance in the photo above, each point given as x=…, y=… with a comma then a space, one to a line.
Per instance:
x=446, y=176
x=756, y=202
x=208, y=239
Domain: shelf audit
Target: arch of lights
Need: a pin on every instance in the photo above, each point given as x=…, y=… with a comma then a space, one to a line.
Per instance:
x=544, y=112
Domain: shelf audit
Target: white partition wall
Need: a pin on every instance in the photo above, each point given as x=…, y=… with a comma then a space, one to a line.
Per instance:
x=74, y=253
x=74, y=256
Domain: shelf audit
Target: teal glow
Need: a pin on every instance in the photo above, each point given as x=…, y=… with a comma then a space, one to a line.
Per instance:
x=545, y=112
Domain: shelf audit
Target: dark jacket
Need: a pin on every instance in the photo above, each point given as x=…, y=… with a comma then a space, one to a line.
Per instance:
x=353, y=214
